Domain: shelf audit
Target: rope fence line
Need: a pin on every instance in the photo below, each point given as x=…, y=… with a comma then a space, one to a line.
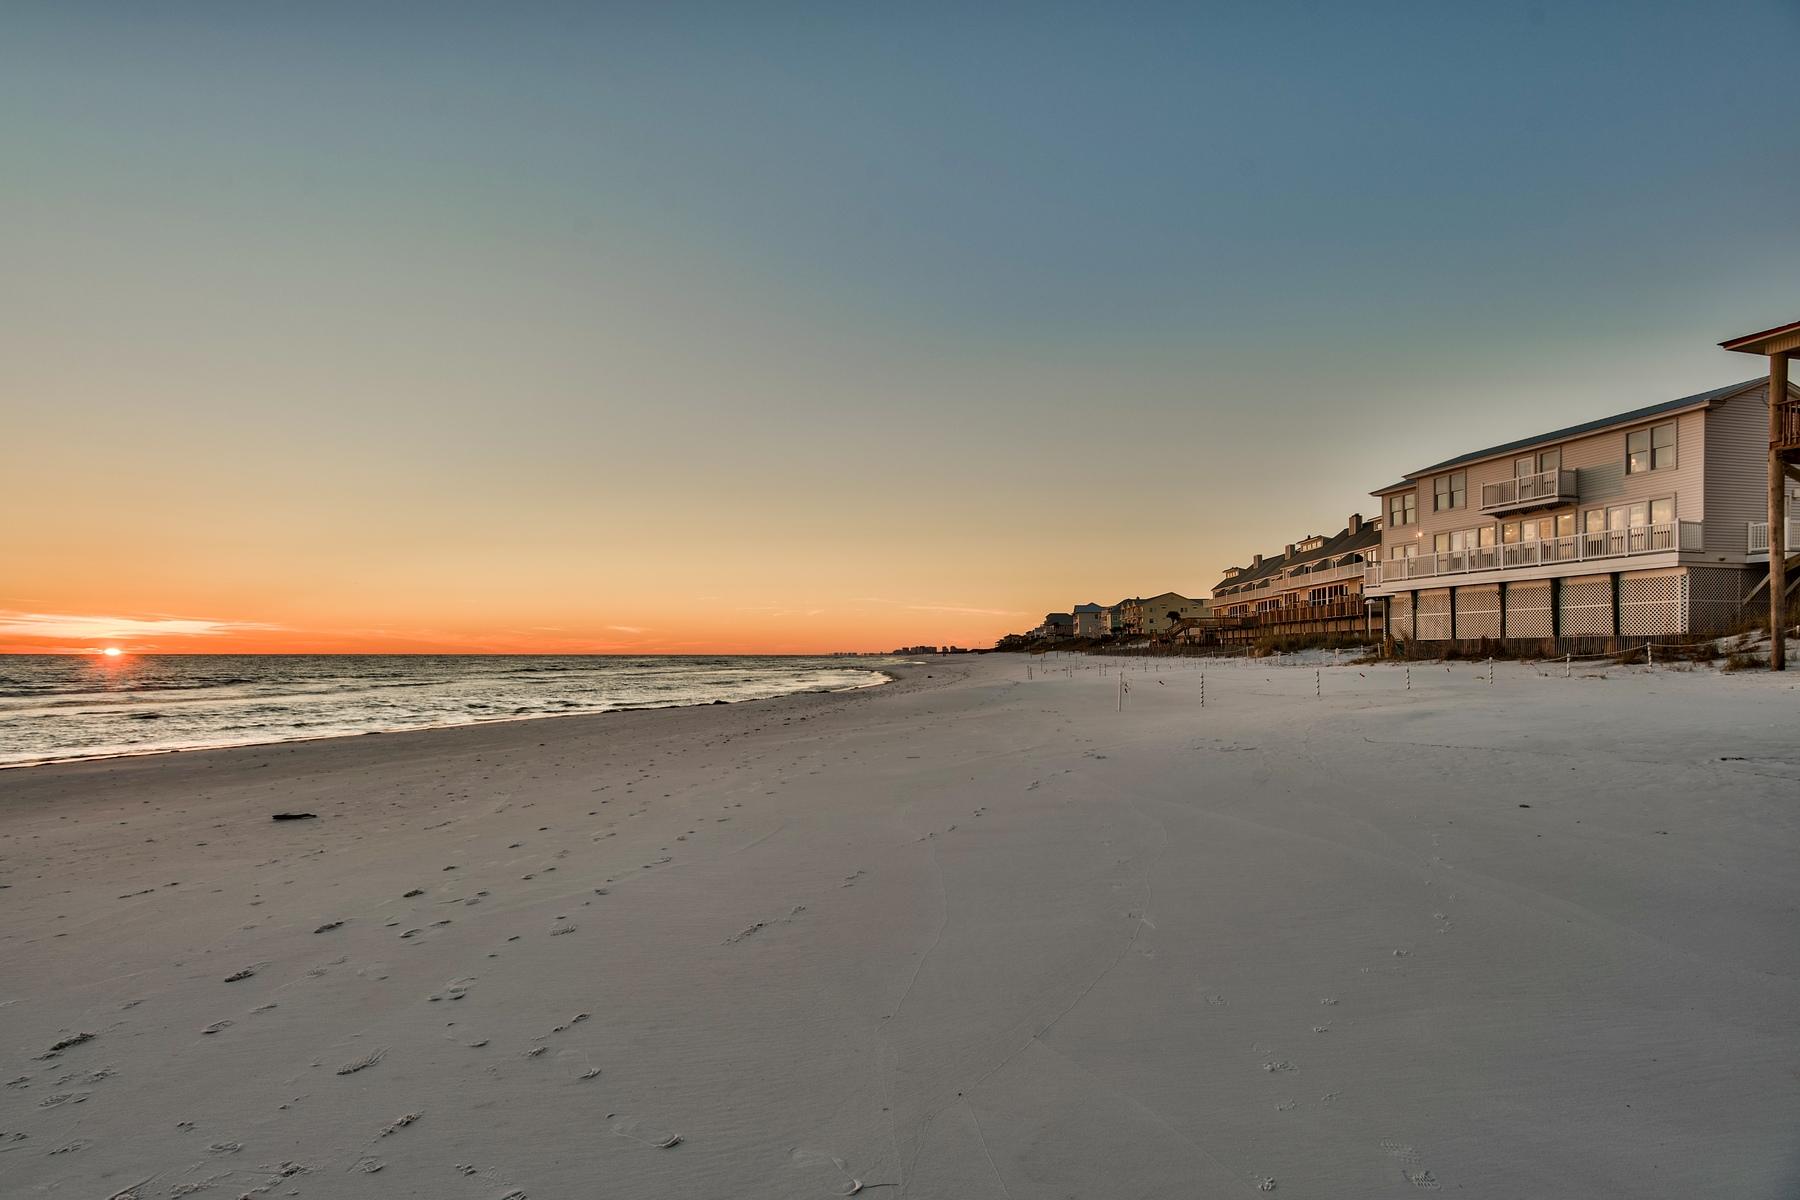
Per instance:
x=1283, y=659
x=1237, y=661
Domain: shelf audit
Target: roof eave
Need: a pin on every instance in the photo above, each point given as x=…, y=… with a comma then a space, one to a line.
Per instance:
x=1753, y=343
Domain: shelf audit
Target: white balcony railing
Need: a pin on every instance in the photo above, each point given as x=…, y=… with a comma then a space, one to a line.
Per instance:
x=1759, y=537
x=1576, y=548
x=1546, y=487
x=1288, y=583
x=1313, y=578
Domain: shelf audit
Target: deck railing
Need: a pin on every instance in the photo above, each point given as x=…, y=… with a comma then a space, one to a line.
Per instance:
x=1286, y=583
x=1759, y=537
x=1789, y=436
x=1341, y=608
x=1546, y=487
x=1576, y=548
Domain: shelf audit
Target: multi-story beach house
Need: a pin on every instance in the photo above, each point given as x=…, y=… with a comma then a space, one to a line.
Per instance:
x=1090, y=620
x=1313, y=588
x=1154, y=616
x=1056, y=625
x=1647, y=523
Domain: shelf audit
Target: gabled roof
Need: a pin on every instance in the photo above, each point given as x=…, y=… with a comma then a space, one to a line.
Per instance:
x=1338, y=544
x=1087, y=608
x=1698, y=400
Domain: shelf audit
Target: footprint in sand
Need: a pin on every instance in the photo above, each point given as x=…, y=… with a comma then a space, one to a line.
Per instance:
x=456, y=989
x=1411, y=1169
x=399, y=1123
x=64, y=1098
x=637, y=1131
x=364, y=1063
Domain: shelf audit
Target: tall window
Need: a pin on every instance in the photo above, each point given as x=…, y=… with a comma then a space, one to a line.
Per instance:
x=1462, y=539
x=1403, y=508
x=1650, y=449
x=1449, y=491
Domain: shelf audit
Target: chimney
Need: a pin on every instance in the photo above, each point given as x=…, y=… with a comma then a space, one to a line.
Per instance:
x=1255, y=561
x=1290, y=549
x=1355, y=524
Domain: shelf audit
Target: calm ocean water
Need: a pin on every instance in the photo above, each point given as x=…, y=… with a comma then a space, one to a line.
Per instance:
x=67, y=706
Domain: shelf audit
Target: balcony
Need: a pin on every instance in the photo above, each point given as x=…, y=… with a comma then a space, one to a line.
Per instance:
x=1543, y=490
x=1787, y=439
x=1759, y=537
x=1340, y=609
x=1577, y=548
x=1307, y=579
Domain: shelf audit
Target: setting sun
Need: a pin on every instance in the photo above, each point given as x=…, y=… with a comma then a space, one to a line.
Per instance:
x=112, y=652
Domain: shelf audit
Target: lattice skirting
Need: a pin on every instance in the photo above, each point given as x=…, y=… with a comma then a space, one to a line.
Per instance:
x=1652, y=603
x=1716, y=598
x=1400, y=616
x=1528, y=610
x=1587, y=607
x=1433, y=615
x=1478, y=612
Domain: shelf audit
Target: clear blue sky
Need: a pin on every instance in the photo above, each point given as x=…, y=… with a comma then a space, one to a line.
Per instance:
x=1184, y=280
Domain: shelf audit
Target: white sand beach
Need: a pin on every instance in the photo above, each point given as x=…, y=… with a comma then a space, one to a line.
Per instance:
x=963, y=936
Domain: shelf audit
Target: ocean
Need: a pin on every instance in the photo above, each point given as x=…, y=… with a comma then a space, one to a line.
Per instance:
x=55, y=707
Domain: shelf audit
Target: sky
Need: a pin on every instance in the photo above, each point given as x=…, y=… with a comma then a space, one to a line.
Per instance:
x=780, y=328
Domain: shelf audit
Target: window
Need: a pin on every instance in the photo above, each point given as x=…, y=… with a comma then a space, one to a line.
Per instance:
x=1449, y=491
x=1662, y=512
x=1403, y=550
x=1593, y=520
x=1650, y=449
x=1403, y=508
x=1462, y=539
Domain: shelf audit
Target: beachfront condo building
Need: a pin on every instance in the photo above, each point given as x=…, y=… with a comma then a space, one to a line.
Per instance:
x=1648, y=523
x=1313, y=588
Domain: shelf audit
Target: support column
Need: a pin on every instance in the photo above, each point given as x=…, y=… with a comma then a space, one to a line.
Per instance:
x=1778, y=386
